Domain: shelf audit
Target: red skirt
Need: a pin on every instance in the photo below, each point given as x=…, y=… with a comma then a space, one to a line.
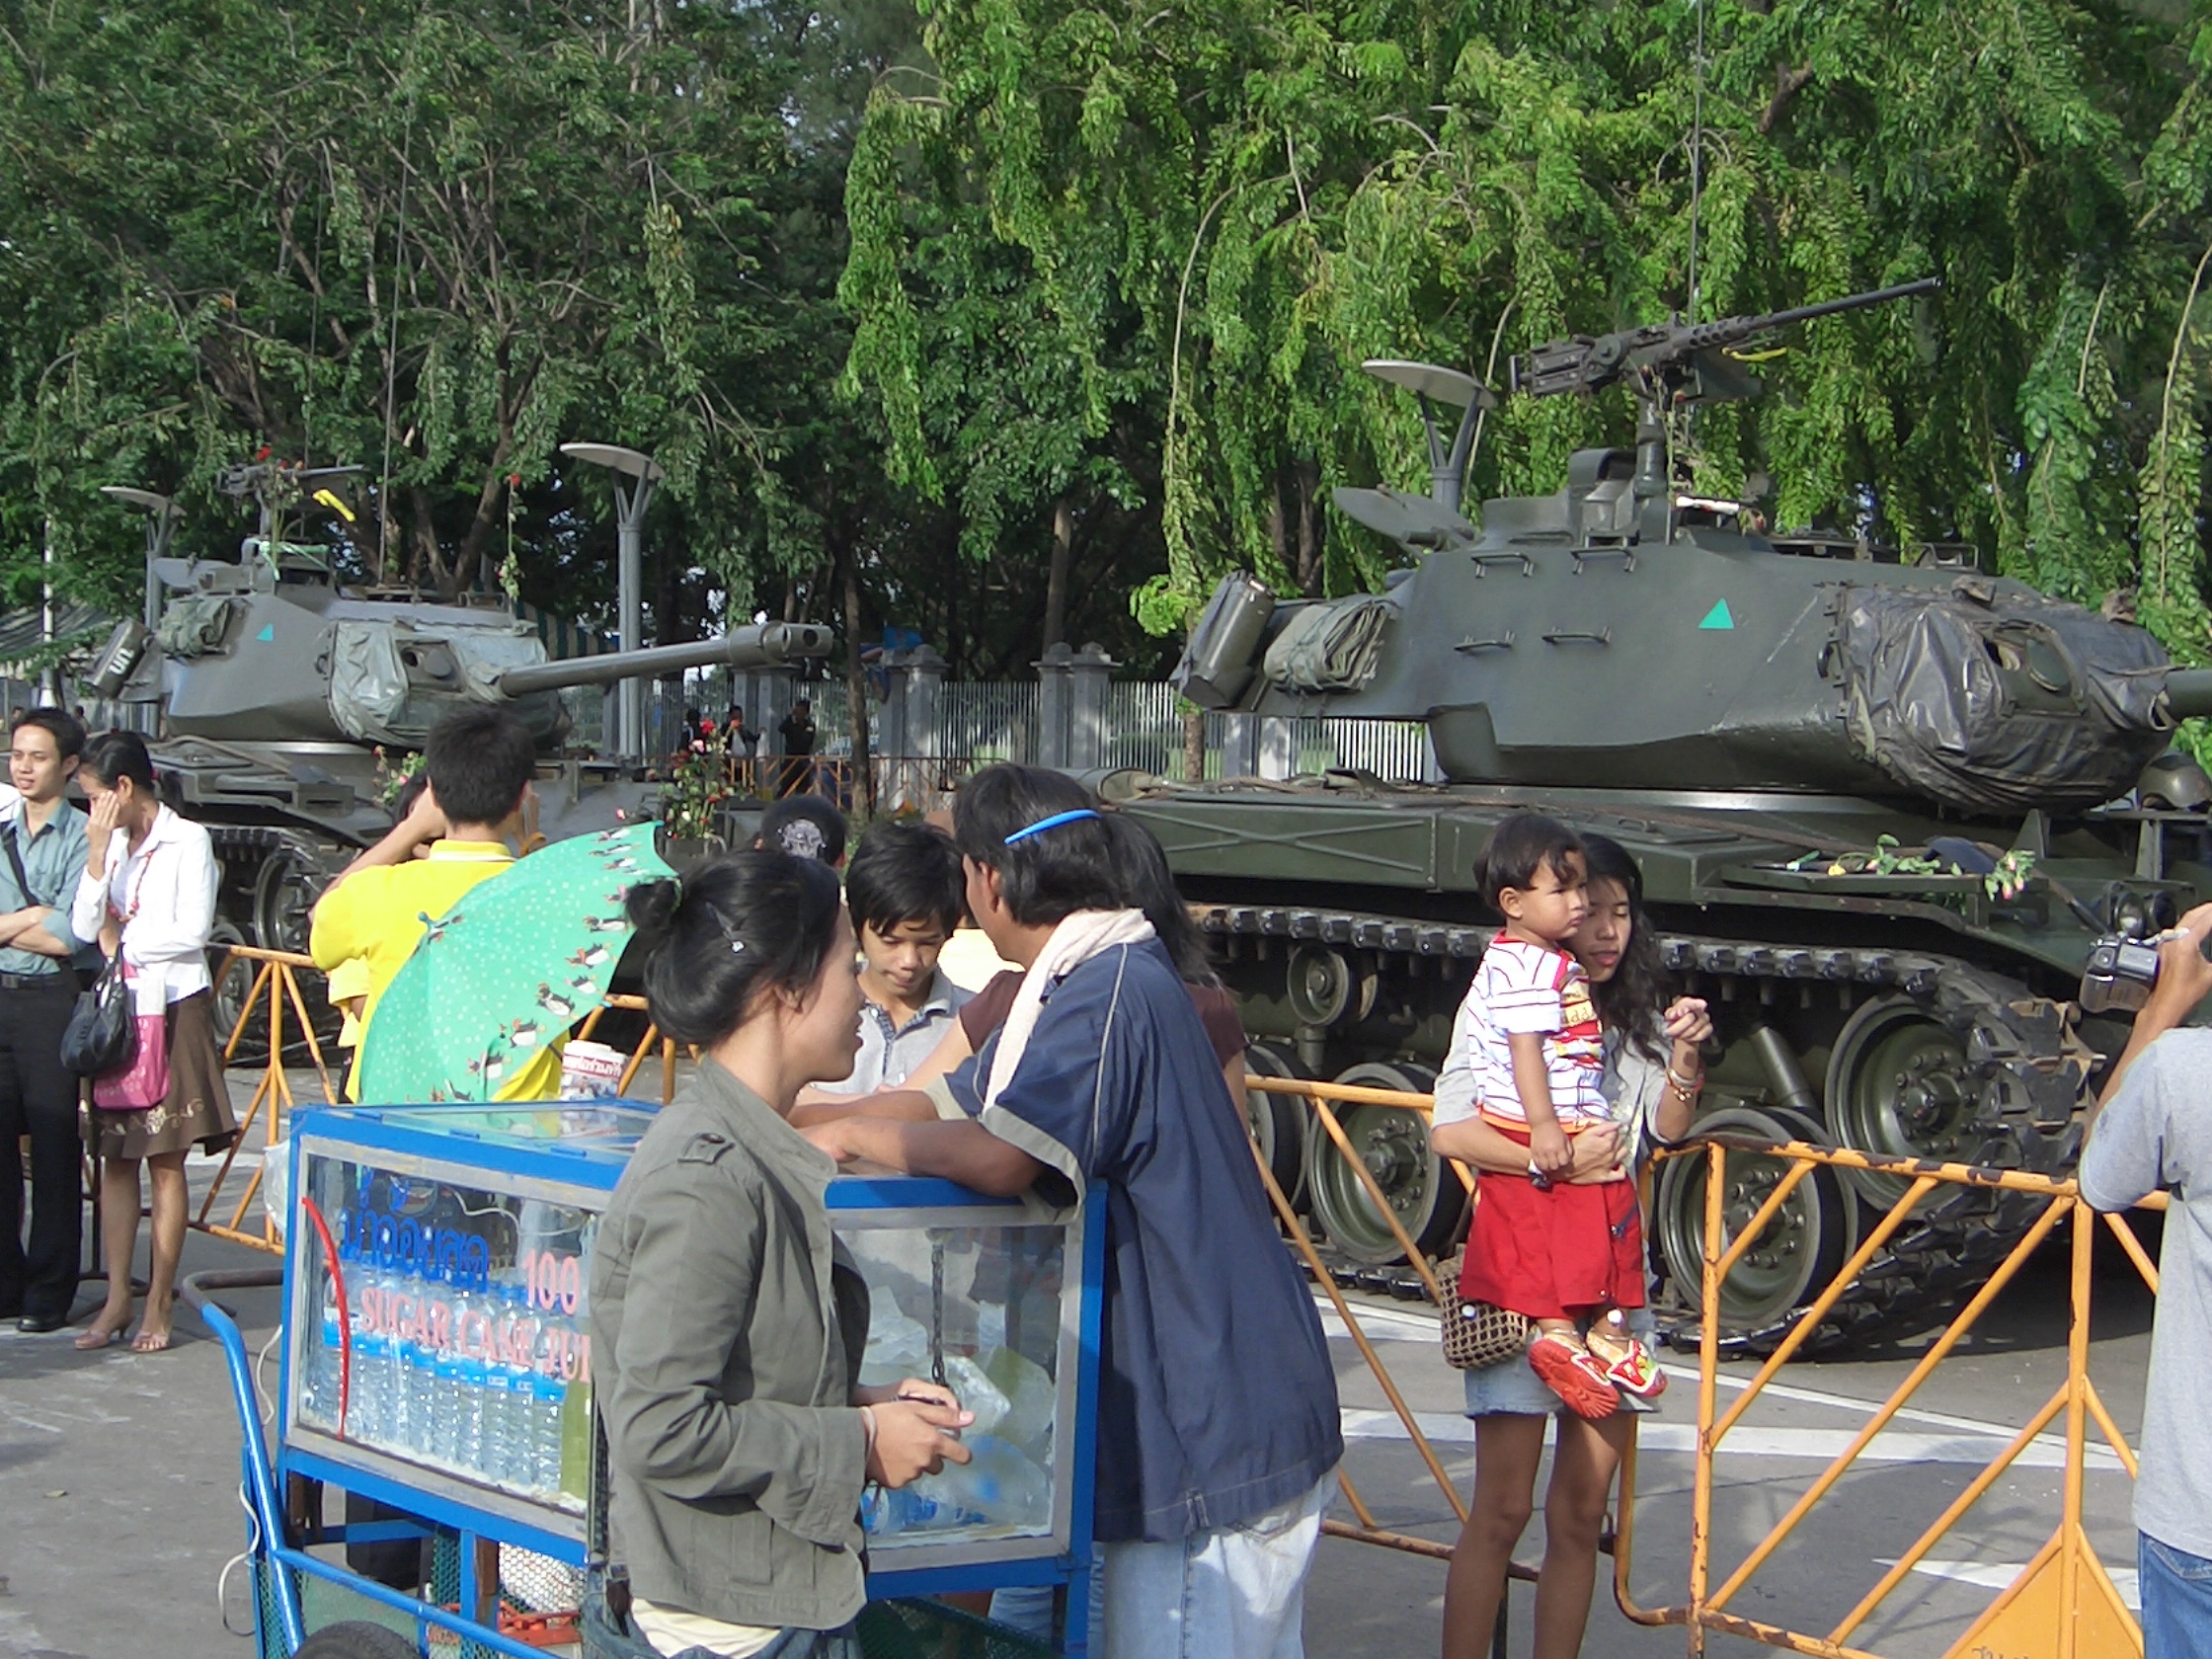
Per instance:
x=1553, y=1254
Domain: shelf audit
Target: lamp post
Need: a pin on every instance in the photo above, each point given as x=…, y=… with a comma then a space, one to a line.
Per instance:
x=644, y=472
x=162, y=515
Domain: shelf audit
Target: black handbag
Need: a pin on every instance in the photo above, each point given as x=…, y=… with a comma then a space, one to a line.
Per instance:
x=102, y=1035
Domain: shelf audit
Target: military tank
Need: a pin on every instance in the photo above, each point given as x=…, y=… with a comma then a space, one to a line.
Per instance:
x=287, y=700
x=1884, y=801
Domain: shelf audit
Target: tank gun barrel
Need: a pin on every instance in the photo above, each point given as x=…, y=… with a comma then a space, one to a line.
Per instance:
x=2189, y=693
x=1586, y=364
x=752, y=647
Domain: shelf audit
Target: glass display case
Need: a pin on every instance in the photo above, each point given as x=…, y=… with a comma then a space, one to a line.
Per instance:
x=437, y=1344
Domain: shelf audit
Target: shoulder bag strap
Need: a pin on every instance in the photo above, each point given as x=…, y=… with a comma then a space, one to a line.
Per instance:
x=15, y=860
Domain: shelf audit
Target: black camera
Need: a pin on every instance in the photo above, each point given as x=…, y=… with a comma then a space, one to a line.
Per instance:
x=2118, y=976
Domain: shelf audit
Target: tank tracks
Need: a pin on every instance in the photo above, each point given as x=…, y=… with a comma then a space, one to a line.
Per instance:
x=2026, y=1069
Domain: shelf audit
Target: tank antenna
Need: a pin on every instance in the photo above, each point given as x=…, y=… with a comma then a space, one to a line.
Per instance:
x=1696, y=148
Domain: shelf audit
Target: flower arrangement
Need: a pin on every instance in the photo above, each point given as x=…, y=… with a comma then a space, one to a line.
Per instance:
x=692, y=805
x=394, y=771
x=1888, y=858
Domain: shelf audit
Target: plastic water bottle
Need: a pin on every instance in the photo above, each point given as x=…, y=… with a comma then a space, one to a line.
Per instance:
x=319, y=1380
x=419, y=1362
x=507, y=1390
x=547, y=1396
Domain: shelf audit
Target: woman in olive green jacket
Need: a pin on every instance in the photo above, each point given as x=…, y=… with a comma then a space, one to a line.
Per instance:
x=727, y=1331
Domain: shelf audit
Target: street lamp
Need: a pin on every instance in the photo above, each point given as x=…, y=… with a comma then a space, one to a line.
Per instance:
x=162, y=515
x=629, y=524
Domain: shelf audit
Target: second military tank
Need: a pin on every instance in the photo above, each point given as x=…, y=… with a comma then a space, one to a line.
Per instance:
x=1884, y=801
x=288, y=700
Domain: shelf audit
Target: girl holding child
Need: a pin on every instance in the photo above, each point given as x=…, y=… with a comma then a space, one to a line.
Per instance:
x=1645, y=1091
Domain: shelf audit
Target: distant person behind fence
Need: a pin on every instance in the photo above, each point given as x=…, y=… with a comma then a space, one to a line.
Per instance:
x=2154, y=1132
x=149, y=883
x=797, y=730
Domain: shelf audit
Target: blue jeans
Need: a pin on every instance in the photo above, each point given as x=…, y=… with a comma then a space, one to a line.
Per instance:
x=1228, y=1590
x=2177, y=1601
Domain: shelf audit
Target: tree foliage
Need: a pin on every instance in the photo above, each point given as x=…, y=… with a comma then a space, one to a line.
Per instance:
x=423, y=238
x=1212, y=212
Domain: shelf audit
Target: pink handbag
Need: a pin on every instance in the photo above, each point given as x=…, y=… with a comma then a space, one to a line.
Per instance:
x=144, y=1082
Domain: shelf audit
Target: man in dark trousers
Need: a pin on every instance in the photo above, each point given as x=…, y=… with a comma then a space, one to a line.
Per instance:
x=45, y=846
x=798, y=735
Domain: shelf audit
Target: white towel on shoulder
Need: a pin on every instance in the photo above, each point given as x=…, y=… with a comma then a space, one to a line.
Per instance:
x=1078, y=937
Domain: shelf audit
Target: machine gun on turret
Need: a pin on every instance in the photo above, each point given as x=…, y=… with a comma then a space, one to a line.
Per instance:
x=1672, y=363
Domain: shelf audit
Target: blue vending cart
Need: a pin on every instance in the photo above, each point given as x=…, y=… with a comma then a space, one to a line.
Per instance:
x=437, y=1358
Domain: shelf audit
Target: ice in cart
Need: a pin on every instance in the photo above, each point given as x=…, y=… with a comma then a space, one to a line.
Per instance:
x=437, y=1370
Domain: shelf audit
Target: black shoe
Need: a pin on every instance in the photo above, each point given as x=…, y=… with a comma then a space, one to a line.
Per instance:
x=40, y=1324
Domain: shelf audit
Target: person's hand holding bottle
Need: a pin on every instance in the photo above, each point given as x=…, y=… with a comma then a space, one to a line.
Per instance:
x=916, y=1431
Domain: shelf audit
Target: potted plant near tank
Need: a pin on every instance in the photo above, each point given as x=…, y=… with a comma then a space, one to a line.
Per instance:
x=691, y=809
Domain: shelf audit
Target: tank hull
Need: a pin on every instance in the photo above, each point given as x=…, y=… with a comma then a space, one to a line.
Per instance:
x=1905, y=1015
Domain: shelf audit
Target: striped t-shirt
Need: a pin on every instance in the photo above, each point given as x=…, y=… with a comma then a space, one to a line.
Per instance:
x=1524, y=988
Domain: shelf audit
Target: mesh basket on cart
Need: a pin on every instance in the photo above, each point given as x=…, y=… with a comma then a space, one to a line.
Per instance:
x=918, y=1628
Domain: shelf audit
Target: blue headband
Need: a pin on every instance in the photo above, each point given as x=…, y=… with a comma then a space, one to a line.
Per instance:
x=1045, y=823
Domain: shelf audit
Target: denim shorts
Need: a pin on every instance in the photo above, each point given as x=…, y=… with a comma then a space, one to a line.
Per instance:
x=1510, y=1388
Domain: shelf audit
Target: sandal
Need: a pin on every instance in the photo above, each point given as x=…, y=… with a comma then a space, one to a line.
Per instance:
x=1575, y=1375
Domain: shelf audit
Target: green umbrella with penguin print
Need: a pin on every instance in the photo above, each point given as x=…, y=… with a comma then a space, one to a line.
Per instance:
x=514, y=963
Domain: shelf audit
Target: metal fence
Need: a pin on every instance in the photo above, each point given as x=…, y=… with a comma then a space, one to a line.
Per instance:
x=981, y=720
x=1145, y=729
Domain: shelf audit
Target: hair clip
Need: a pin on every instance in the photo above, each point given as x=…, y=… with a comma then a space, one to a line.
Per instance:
x=736, y=945
x=1045, y=823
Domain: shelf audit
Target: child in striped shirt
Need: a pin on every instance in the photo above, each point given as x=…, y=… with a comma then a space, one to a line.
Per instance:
x=1528, y=1049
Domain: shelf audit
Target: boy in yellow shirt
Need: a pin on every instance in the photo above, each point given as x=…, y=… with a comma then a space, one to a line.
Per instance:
x=479, y=763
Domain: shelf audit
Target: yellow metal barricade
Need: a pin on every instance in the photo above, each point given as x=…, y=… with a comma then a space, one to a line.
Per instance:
x=2062, y=1606
x=275, y=986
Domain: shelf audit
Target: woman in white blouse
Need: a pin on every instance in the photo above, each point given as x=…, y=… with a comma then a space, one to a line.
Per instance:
x=150, y=879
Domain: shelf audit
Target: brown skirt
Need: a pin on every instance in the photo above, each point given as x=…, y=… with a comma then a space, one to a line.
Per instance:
x=197, y=1108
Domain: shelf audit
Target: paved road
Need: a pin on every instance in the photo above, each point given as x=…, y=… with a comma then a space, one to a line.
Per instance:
x=119, y=1476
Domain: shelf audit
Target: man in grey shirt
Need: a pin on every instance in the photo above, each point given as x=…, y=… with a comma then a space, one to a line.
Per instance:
x=2153, y=1132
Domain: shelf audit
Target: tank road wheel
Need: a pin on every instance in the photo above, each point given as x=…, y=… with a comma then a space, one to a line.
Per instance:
x=1279, y=1123
x=285, y=888
x=1899, y=1085
x=1795, y=1255
x=1393, y=1143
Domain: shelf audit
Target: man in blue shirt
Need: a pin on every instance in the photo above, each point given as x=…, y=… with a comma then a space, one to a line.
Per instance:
x=45, y=843
x=1218, y=1430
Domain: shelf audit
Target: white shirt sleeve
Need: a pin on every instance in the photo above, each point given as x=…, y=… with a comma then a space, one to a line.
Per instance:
x=1458, y=1095
x=89, y=909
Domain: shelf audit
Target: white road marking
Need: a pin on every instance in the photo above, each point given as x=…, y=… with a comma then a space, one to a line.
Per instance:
x=1750, y=1441
x=1998, y=1575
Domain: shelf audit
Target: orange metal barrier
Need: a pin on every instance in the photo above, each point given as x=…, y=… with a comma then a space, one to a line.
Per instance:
x=2063, y=1604
x=275, y=986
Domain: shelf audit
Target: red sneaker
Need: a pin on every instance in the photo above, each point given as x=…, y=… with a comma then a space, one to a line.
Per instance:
x=1637, y=1373
x=1575, y=1375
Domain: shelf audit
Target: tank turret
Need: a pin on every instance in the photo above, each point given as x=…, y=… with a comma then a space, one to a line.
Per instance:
x=1883, y=800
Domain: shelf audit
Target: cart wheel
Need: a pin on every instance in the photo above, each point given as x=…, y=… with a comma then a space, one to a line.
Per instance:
x=355, y=1639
